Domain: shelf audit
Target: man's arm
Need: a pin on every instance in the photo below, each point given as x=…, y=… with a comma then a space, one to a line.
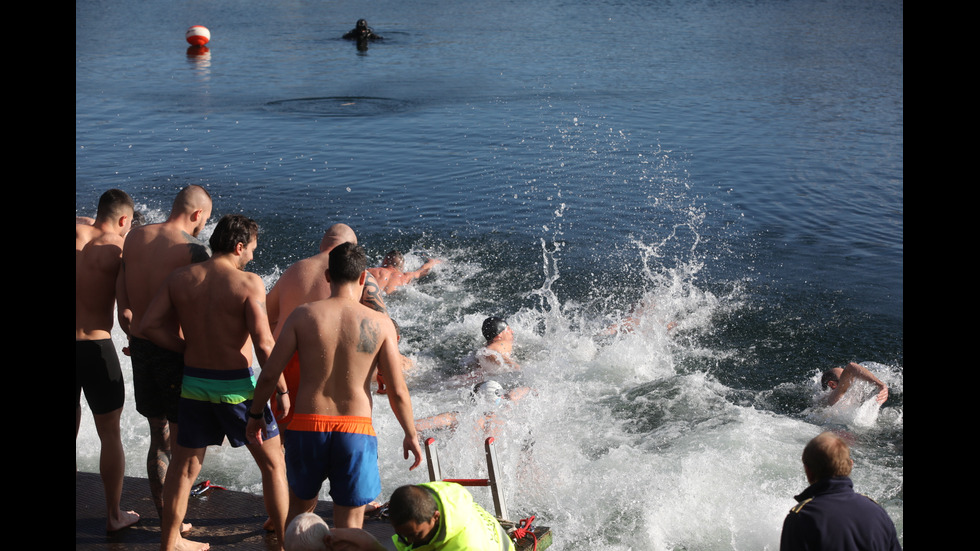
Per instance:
x=272, y=306
x=389, y=364
x=123, y=311
x=257, y=319
x=371, y=295
x=160, y=324
x=425, y=269
x=351, y=539
x=270, y=379
x=853, y=372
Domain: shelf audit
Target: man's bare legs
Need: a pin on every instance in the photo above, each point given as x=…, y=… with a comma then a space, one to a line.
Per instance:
x=185, y=465
x=299, y=506
x=112, y=467
x=343, y=517
x=162, y=438
x=158, y=459
x=348, y=517
x=275, y=491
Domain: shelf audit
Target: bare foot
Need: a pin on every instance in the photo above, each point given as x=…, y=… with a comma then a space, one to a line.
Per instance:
x=121, y=520
x=186, y=527
x=268, y=526
x=376, y=510
x=188, y=545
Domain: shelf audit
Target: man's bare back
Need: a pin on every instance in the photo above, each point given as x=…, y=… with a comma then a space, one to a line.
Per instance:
x=338, y=341
x=304, y=281
x=98, y=254
x=219, y=307
x=152, y=253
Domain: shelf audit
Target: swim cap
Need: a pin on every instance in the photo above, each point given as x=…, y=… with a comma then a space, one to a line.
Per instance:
x=491, y=390
x=492, y=327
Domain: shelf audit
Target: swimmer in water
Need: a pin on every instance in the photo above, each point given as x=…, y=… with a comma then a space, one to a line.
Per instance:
x=490, y=391
x=839, y=379
x=495, y=357
x=391, y=274
x=361, y=31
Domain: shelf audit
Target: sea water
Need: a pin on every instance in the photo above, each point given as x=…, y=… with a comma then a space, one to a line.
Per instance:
x=735, y=170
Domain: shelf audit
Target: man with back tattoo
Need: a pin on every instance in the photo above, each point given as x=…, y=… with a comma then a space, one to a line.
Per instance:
x=338, y=340
x=304, y=282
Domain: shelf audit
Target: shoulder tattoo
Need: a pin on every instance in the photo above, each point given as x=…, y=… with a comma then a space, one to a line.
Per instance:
x=199, y=251
x=371, y=296
x=368, y=340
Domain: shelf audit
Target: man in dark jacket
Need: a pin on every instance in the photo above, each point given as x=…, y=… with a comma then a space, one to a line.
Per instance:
x=829, y=515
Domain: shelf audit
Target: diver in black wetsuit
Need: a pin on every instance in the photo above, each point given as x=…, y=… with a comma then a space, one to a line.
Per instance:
x=362, y=32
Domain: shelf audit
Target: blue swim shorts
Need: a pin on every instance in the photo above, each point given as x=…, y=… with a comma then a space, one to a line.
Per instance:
x=214, y=403
x=341, y=449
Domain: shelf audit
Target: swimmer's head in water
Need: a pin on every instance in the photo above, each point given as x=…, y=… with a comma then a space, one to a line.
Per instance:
x=832, y=375
x=361, y=24
x=489, y=389
x=394, y=259
x=492, y=327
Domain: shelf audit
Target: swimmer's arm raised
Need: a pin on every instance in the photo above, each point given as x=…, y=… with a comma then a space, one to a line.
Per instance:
x=852, y=372
x=425, y=269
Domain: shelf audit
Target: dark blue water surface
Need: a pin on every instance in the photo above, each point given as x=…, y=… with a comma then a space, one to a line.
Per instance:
x=569, y=157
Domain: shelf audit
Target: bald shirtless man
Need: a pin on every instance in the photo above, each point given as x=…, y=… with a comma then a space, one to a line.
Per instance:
x=151, y=254
x=304, y=282
x=331, y=436
x=98, y=253
x=220, y=308
x=391, y=274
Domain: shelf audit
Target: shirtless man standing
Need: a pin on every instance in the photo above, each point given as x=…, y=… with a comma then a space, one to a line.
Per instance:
x=221, y=310
x=390, y=274
x=331, y=435
x=98, y=253
x=151, y=254
x=303, y=282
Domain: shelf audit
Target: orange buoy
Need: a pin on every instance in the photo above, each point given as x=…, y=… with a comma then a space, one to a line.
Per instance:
x=198, y=35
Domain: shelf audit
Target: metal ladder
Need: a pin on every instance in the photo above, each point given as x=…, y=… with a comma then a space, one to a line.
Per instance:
x=435, y=474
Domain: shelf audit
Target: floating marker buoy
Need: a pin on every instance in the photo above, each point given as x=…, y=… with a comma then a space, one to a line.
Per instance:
x=198, y=35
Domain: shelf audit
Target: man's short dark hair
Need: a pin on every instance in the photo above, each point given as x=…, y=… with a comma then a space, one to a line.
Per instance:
x=411, y=503
x=828, y=376
x=113, y=204
x=347, y=262
x=231, y=230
